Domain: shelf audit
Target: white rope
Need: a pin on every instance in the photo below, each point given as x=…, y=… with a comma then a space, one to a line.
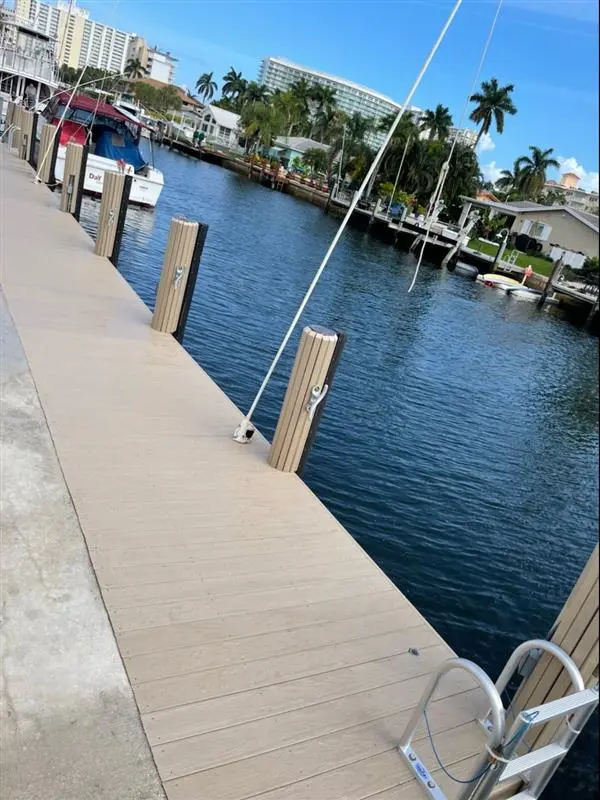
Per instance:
x=244, y=425
x=437, y=194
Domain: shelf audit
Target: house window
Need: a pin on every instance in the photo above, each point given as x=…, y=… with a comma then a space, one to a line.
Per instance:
x=223, y=131
x=537, y=230
x=205, y=127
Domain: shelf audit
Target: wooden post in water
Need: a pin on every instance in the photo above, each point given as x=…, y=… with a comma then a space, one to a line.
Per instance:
x=554, y=275
x=73, y=178
x=576, y=632
x=178, y=276
x=113, y=209
x=306, y=390
x=49, y=139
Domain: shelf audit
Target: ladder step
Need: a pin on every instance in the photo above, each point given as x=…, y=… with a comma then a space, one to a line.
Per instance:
x=563, y=706
x=517, y=766
x=523, y=796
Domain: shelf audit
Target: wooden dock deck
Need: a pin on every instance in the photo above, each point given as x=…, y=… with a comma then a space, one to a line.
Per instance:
x=269, y=656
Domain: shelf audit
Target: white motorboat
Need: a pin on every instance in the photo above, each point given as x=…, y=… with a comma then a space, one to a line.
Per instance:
x=528, y=295
x=497, y=281
x=113, y=140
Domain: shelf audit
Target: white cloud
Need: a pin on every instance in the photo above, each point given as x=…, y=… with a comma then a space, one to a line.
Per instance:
x=587, y=180
x=491, y=172
x=486, y=143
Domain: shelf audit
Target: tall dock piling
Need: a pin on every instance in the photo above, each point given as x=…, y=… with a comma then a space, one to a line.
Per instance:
x=306, y=391
x=113, y=209
x=576, y=632
x=178, y=276
x=73, y=178
x=49, y=142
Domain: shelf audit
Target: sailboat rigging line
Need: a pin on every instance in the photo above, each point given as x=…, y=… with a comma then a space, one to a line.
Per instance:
x=437, y=194
x=244, y=428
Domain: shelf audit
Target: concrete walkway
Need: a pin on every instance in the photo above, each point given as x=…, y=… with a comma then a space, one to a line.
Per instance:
x=70, y=726
x=269, y=656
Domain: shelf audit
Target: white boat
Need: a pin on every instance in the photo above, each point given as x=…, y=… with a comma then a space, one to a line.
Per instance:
x=524, y=293
x=497, y=281
x=28, y=68
x=113, y=141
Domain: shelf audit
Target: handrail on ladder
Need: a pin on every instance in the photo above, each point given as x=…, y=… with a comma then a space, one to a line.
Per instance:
x=522, y=650
x=496, y=734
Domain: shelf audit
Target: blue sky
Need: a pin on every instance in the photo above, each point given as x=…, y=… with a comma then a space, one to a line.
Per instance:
x=547, y=48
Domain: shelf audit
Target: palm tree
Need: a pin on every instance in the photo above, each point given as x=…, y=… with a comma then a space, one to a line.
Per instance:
x=261, y=123
x=438, y=122
x=290, y=107
x=134, y=69
x=509, y=181
x=233, y=83
x=206, y=86
x=302, y=91
x=493, y=102
x=316, y=160
x=532, y=170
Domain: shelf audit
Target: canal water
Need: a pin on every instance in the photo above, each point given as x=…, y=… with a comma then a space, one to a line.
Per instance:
x=459, y=445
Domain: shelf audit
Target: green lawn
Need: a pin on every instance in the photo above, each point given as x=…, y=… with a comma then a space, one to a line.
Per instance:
x=539, y=265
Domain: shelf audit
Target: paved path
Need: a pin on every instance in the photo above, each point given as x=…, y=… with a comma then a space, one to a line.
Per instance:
x=269, y=656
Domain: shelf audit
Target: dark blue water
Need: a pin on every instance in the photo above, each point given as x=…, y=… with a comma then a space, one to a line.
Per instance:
x=460, y=441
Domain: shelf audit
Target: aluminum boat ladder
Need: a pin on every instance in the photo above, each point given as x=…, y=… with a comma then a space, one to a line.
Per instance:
x=499, y=763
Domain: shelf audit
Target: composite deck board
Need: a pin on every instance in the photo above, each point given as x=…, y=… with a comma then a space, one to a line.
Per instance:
x=269, y=656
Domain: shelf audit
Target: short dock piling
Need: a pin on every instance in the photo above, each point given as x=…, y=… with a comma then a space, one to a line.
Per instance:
x=178, y=276
x=113, y=209
x=306, y=390
x=73, y=178
x=48, y=150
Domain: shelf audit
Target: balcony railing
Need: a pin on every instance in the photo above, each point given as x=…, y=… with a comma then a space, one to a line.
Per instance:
x=36, y=67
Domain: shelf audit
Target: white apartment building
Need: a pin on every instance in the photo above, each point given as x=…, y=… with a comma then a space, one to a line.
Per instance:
x=159, y=66
x=575, y=198
x=279, y=73
x=464, y=136
x=81, y=41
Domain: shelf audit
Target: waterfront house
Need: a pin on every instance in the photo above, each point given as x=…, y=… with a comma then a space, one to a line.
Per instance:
x=562, y=226
x=220, y=127
x=288, y=148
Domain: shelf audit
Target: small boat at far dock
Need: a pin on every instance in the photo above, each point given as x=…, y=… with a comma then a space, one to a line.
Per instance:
x=497, y=281
x=113, y=140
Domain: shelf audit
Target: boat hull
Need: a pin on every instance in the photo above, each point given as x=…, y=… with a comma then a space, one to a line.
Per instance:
x=497, y=281
x=145, y=190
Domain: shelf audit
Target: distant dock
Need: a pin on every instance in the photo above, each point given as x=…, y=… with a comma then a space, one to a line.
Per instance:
x=268, y=655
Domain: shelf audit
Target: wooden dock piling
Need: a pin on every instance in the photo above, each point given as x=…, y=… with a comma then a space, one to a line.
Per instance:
x=113, y=209
x=73, y=178
x=576, y=632
x=306, y=390
x=177, y=273
x=48, y=150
